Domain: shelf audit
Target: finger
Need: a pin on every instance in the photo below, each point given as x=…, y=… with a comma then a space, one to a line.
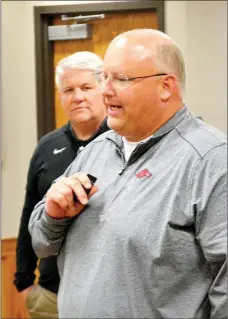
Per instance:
x=94, y=189
x=75, y=209
x=53, y=195
x=83, y=179
x=78, y=189
x=65, y=188
x=78, y=206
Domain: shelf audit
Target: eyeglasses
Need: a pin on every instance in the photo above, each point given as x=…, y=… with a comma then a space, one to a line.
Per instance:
x=119, y=80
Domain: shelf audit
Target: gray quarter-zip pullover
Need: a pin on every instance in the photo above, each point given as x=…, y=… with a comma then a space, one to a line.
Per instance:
x=151, y=243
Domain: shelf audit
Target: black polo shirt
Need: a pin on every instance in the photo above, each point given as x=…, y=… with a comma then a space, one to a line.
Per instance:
x=53, y=154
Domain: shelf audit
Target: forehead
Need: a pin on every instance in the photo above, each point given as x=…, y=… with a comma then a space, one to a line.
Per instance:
x=76, y=76
x=124, y=57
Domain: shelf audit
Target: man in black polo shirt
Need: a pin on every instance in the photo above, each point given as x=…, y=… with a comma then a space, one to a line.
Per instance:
x=82, y=102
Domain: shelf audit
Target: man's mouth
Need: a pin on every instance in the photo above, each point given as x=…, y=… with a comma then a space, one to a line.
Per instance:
x=114, y=107
x=114, y=110
x=77, y=108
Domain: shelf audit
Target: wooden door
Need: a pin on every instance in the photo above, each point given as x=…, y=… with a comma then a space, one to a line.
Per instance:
x=103, y=31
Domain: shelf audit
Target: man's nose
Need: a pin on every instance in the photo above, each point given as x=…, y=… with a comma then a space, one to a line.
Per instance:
x=78, y=95
x=107, y=88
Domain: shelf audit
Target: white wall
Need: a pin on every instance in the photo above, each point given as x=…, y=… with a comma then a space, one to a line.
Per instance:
x=207, y=60
x=199, y=27
x=18, y=109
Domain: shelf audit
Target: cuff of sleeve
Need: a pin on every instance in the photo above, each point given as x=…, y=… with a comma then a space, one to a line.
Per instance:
x=55, y=224
x=23, y=282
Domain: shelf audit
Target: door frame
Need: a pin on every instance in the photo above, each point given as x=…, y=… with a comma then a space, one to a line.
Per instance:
x=43, y=16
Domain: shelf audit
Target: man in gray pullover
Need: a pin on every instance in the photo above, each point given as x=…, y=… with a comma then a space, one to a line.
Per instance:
x=150, y=239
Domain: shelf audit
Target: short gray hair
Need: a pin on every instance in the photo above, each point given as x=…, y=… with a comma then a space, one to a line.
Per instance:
x=83, y=60
x=170, y=56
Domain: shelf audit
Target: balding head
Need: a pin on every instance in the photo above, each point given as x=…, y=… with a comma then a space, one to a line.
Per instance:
x=148, y=37
x=154, y=47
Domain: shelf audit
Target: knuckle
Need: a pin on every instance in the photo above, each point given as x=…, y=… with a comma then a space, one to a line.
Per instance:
x=79, y=176
x=73, y=183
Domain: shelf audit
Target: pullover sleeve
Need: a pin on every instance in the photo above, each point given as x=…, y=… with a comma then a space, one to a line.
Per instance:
x=48, y=233
x=26, y=259
x=210, y=206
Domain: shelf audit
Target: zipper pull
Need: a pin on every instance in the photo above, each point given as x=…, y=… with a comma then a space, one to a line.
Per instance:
x=123, y=168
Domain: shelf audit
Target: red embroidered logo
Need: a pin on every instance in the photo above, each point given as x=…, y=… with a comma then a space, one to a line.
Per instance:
x=143, y=173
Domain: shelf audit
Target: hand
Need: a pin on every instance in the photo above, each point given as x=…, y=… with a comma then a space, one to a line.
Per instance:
x=24, y=293
x=59, y=200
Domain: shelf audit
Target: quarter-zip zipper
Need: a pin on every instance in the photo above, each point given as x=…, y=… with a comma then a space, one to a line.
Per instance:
x=140, y=149
x=128, y=163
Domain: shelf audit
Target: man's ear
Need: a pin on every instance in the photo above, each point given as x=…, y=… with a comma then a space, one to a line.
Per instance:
x=168, y=86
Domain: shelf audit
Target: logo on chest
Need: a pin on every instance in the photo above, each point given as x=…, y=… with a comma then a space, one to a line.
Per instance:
x=58, y=151
x=143, y=173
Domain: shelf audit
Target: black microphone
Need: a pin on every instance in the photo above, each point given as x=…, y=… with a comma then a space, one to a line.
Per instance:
x=87, y=190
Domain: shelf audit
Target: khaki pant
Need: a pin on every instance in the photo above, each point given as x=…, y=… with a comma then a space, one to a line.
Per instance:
x=42, y=303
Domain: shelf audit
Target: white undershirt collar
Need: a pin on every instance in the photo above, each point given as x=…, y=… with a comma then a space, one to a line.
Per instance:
x=130, y=146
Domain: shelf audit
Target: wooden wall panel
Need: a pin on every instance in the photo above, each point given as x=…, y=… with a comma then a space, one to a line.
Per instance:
x=12, y=306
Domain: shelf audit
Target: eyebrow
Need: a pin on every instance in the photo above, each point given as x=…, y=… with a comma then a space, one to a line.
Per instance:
x=116, y=73
x=81, y=84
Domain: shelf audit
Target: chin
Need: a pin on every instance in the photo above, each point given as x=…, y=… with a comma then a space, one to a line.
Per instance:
x=115, y=125
x=81, y=119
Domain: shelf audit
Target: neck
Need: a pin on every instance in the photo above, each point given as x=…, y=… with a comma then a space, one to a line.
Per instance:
x=165, y=116
x=85, y=131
